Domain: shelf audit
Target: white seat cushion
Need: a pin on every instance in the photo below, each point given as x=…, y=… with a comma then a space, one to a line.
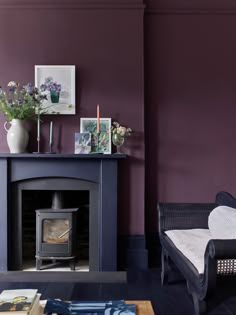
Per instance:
x=222, y=223
x=192, y=244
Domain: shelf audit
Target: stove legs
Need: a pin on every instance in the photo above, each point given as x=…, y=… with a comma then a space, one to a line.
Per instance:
x=55, y=261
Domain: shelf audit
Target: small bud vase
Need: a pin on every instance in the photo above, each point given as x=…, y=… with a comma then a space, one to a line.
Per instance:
x=17, y=136
x=118, y=141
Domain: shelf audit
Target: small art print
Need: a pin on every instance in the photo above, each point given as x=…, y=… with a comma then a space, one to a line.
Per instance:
x=82, y=143
x=100, y=142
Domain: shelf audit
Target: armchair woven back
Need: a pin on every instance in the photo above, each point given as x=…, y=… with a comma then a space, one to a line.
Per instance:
x=226, y=267
x=224, y=198
x=184, y=215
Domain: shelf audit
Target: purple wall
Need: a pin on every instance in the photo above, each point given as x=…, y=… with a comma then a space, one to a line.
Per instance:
x=190, y=101
x=104, y=39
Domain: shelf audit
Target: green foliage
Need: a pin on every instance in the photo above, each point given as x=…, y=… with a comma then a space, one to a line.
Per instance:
x=21, y=102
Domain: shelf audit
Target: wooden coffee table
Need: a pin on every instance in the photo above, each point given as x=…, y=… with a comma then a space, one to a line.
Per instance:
x=143, y=307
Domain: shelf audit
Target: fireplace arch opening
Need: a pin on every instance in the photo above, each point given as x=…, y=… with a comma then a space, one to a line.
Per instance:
x=32, y=194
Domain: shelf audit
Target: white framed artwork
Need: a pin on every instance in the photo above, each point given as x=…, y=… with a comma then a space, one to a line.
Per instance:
x=58, y=84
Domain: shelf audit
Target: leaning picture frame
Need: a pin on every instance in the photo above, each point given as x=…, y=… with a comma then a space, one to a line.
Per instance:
x=58, y=84
x=100, y=142
x=82, y=143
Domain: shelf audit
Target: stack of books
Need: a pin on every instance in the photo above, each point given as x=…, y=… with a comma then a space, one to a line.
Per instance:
x=112, y=307
x=20, y=302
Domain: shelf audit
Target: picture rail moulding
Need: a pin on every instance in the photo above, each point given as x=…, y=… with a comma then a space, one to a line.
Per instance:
x=191, y=12
x=195, y=7
x=79, y=4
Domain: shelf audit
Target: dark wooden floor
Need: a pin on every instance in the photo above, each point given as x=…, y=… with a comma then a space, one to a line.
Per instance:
x=172, y=299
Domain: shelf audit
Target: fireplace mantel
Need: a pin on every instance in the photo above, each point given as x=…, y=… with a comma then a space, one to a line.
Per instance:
x=100, y=169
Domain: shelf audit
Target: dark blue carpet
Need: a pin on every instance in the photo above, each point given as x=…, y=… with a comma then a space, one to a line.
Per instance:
x=172, y=299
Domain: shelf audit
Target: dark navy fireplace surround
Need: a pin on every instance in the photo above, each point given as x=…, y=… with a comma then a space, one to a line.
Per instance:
x=100, y=170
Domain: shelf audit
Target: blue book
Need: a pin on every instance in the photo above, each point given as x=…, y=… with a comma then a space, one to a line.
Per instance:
x=85, y=307
x=57, y=306
x=120, y=309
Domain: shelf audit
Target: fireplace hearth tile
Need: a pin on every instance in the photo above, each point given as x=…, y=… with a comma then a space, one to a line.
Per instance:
x=80, y=266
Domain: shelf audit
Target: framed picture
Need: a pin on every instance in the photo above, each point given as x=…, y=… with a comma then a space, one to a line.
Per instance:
x=101, y=144
x=82, y=143
x=58, y=83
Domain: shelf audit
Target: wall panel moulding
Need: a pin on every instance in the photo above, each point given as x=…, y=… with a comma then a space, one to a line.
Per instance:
x=72, y=4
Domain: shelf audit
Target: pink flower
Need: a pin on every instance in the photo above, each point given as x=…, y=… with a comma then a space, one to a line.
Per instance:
x=120, y=130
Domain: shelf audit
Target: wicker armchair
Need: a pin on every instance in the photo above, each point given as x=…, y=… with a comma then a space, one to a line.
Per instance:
x=220, y=255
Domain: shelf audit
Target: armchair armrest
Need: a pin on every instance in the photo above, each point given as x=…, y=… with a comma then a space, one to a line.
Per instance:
x=220, y=260
x=184, y=215
x=222, y=249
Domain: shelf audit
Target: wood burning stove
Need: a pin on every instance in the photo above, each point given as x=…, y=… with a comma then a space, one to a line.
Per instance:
x=56, y=237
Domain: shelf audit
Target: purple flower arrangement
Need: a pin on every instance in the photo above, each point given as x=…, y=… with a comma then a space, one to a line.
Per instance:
x=21, y=102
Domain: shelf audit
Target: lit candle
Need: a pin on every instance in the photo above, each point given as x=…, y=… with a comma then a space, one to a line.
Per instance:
x=98, y=119
x=50, y=132
x=38, y=128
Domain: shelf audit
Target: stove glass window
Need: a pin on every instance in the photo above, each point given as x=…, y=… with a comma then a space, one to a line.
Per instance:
x=56, y=230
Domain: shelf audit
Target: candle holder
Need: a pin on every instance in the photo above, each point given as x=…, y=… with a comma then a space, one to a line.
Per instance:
x=38, y=141
x=50, y=149
x=38, y=132
x=98, y=143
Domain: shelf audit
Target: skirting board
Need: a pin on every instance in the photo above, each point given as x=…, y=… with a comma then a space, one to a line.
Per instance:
x=64, y=276
x=132, y=252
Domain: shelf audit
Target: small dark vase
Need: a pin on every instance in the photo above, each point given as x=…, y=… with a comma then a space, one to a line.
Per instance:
x=55, y=96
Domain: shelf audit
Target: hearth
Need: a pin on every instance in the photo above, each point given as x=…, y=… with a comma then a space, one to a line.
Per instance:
x=94, y=174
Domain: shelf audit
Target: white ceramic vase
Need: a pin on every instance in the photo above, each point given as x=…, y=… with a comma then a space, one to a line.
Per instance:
x=17, y=136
